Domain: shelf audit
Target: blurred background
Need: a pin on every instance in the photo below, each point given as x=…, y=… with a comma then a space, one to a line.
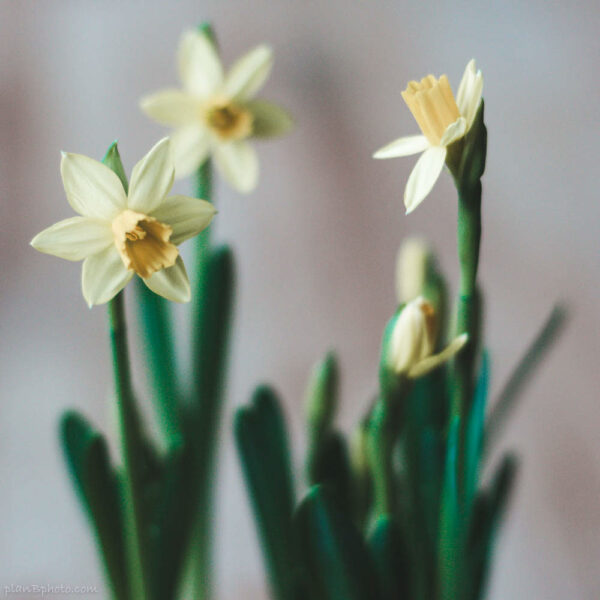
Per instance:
x=315, y=246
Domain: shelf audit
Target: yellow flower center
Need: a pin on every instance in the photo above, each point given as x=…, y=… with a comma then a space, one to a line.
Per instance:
x=143, y=243
x=229, y=121
x=433, y=106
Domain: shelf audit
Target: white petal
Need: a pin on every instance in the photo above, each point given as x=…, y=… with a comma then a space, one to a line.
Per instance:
x=465, y=86
x=404, y=146
x=249, y=73
x=92, y=189
x=454, y=131
x=200, y=68
x=190, y=147
x=172, y=283
x=432, y=362
x=423, y=176
x=187, y=216
x=238, y=164
x=171, y=107
x=268, y=119
x=469, y=93
x=74, y=239
x=103, y=276
x=151, y=179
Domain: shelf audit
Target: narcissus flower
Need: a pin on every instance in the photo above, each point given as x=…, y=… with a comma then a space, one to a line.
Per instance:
x=215, y=114
x=119, y=234
x=413, y=338
x=442, y=119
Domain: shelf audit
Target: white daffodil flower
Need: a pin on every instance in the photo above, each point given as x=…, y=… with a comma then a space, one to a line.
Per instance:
x=215, y=114
x=442, y=119
x=412, y=342
x=118, y=234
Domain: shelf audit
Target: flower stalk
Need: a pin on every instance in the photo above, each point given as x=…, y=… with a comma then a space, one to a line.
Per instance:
x=136, y=544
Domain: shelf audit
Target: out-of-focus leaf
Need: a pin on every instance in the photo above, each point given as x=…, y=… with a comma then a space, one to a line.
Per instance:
x=98, y=487
x=335, y=559
x=263, y=451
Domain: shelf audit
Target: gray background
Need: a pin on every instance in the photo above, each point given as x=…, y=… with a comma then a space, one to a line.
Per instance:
x=315, y=244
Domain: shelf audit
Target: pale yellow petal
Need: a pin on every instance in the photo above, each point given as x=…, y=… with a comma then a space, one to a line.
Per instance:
x=200, y=67
x=186, y=216
x=454, y=131
x=404, y=146
x=74, y=239
x=432, y=362
x=238, y=164
x=174, y=108
x=92, y=189
x=269, y=120
x=190, y=147
x=423, y=177
x=469, y=93
x=103, y=276
x=249, y=73
x=172, y=283
x=151, y=179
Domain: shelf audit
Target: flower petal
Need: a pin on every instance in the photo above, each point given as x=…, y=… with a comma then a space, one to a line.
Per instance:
x=454, y=131
x=190, y=147
x=187, y=216
x=238, y=164
x=249, y=73
x=268, y=119
x=103, y=276
x=172, y=283
x=404, y=146
x=423, y=176
x=74, y=239
x=171, y=107
x=200, y=67
x=92, y=189
x=469, y=93
x=151, y=179
x=432, y=362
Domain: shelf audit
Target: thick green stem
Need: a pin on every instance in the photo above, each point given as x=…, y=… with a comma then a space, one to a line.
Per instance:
x=468, y=312
x=132, y=468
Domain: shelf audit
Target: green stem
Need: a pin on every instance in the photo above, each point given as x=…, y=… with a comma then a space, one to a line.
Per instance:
x=201, y=549
x=132, y=467
x=468, y=312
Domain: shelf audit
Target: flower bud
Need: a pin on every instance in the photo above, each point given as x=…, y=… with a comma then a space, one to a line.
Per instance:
x=413, y=338
x=411, y=268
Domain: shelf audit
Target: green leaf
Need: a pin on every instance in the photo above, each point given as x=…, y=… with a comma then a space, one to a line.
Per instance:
x=159, y=350
x=329, y=463
x=391, y=559
x=487, y=516
x=322, y=394
x=96, y=482
x=510, y=394
x=262, y=445
x=336, y=561
x=451, y=543
x=475, y=432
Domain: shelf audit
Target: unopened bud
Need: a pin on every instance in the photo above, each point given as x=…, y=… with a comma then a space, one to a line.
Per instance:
x=413, y=336
x=411, y=268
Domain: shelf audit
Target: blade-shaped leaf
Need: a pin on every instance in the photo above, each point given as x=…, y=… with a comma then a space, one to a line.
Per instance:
x=392, y=562
x=336, y=561
x=86, y=454
x=263, y=451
